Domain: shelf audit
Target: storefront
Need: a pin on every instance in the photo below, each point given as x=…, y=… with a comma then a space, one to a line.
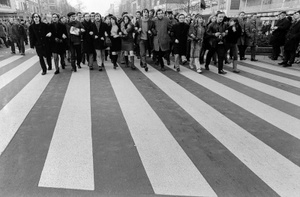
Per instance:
x=7, y=9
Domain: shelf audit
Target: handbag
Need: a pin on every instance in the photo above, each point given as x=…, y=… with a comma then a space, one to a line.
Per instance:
x=107, y=42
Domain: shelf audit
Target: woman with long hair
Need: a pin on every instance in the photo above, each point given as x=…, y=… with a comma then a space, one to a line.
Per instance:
x=127, y=29
x=39, y=34
x=116, y=42
x=108, y=28
x=196, y=34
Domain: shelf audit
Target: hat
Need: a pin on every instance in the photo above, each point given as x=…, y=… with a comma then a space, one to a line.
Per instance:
x=282, y=12
x=71, y=14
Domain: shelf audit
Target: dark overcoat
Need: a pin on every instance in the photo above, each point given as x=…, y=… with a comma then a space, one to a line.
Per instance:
x=88, y=39
x=252, y=32
x=293, y=37
x=278, y=35
x=38, y=39
x=58, y=44
x=180, y=32
x=98, y=42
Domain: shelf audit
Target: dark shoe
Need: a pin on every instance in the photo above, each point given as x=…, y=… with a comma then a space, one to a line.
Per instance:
x=100, y=68
x=168, y=62
x=163, y=69
x=178, y=69
x=146, y=68
x=254, y=60
x=13, y=52
x=23, y=54
x=206, y=68
x=243, y=58
x=287, y=65
x=63, y=66
x=222, y=72
x=43, y=73
x=236, y=71
x=102, y=65
x=49, y=68
x=282, y=63
x=91, y=68
x=79, y=66
x=56, y=72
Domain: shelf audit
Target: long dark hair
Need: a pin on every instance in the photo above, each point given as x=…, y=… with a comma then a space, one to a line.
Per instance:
x=32, y=17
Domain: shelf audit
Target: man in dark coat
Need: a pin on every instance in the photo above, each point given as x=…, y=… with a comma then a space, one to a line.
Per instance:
x=292, y=41
x=99, y=28
x=278, y=36
x=59, y=34
x=162, y=39
x=217, y=33
x=75, y=29
x=39, y=34
x=244, y=37
x=87, y=36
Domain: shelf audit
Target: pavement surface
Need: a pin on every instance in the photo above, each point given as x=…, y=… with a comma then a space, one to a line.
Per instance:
x=123, y=132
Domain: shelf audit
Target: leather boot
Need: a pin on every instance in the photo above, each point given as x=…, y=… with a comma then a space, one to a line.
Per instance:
x=234, y=64
x=126, y=61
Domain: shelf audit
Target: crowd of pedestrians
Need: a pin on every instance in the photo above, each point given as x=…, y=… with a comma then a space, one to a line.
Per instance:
x=157, y=34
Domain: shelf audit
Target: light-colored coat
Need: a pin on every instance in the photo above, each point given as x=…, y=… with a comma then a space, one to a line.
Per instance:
x=162, y=39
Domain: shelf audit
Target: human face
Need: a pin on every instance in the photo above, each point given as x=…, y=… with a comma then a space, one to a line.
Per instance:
x=79, y=16
x=126, y=20
x=36, y=18
x=97, y=17
x=181, y=18
x=92, y=17
x=160, y=15
x=107, y=20
x=145, y=14
x=113, y=22
x=72, y=18
x=213, y=19
x=220, y=18
x=54, y=18
x=151, y=14
x=231, y=23
x=137, y=15
x=296, y=16
x=87, y=17
x=242, y=15
x=200, y=20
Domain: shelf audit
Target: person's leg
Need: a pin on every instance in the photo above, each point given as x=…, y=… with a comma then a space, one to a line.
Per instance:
x=114, y=58
x=177, y=59
x=98, y=59
x=253, y=53
x=142, y=53
x=160, y=55
x=131, y=53
x=12, y=45
x=62, y=60
x=102, y=56
x=78, y=54
x=209, y=55
x=221, y=57
x=126, y=58
x=22, y=46
x=73, y=57
x=56, y=61
x=43, y=64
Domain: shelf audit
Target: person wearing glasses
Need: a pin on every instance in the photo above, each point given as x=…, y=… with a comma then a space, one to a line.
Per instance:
x=39, y=34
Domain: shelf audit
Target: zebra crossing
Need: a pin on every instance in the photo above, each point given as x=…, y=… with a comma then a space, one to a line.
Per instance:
x=135, y=133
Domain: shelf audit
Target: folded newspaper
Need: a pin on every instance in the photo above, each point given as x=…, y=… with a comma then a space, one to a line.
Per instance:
x=74, y=31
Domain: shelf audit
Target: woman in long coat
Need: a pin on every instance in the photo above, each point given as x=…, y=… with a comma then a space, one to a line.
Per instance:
x=127, y=29
x=115, y=36
x=196, y=34
x=180, y=35
x=39, y=34
x=100, y=29
x=88, y=45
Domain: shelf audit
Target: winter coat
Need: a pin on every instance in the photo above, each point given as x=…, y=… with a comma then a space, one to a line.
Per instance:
x=180, y=32
x=233, y=36
x=127, y=39
x=196, y=35
x=88, y=39
x=278, y=35
x=74, y=39
x=57, y=40
x=214, y=28
x=151, y=27
x=244, y=37
x=293, y=37
x=2, y=31
x=252, y=31
x=162, y=39
x=100, y=33
x=38, y=39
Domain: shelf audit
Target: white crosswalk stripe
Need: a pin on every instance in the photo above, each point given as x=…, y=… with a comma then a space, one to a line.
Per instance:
x=70, y=162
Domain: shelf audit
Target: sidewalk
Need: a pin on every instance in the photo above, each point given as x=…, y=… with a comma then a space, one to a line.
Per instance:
x=266, y=59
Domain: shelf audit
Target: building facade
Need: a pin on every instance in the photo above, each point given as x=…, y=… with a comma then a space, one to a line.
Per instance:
x=7, y=8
